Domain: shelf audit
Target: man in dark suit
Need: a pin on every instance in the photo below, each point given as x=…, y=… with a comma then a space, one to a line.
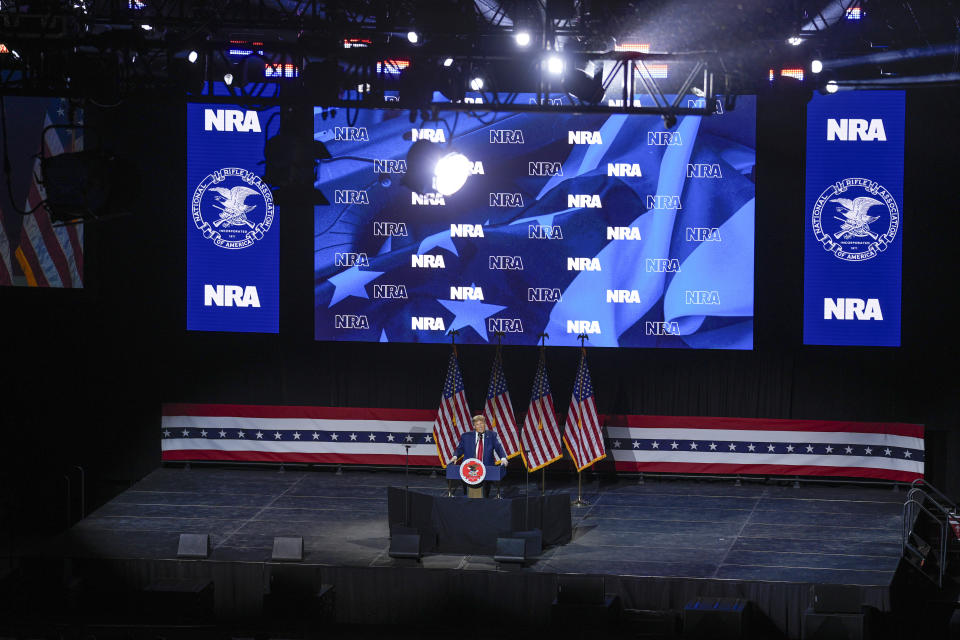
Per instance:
x=483, y=445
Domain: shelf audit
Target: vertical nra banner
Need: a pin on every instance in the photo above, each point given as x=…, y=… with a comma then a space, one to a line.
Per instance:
x=854, y=205
x=233, y=241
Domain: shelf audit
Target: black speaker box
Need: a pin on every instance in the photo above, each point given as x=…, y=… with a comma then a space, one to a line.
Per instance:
x=835, y=598
x=287, y=549
x=405, y=546
x=510, y=551
x=833, y=626
x=715, y=618
x=194, y=545
x=534, y=538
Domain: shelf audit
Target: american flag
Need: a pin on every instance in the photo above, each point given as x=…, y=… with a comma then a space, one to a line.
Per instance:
x=32, y=251
x=582, y=433
x=499, y=410
x=541, y=430
x=453, y=417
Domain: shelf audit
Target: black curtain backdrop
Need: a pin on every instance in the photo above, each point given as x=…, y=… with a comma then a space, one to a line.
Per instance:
x=85, y=371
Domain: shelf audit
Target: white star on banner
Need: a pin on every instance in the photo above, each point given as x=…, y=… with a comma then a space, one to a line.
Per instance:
x=693, y=445
x=750, y=447
x=770, y=447
x=316, y=436
x=409, y=438
x=240, y=434
x=372, y=437
x=906, y=454
x=296, y=435
x=223, y=434
x=674, y=445
x=789, y=448
x=390, y=437
x=655, y=445
x=276, y=435
x=334, y=436
x=849, y=449
x=186, y=433
x=428, y=438
x=809, y=448
x=829, y=449
x=616, y=444
x=353, y=436
x=869, y=451
x=713, y=446
x=166, y=433
x=887, y=452
x=203, y=433
x=636, y=444
x=732, y=447
x=259, y=435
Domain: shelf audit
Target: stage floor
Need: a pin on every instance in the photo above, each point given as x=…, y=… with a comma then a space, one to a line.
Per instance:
x=840, y=534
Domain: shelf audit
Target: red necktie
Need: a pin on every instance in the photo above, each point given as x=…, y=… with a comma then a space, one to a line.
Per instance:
x=479, y=447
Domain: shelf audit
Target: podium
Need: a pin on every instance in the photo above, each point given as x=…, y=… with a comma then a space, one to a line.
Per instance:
x=494, y=473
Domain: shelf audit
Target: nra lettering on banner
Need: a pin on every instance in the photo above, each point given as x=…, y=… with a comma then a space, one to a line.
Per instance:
x=583, y=326
x=433, y=135
x=230, y=295
x=389, y=166
x=354, y=134
x=543, y=294
x=350, y=196
x=392, y=229
x=545, y=168
x=583, y=264
x=506, y=325
x=506, y=263
x=231, y=120
x=477, y=168
x=619, y=102
x=466, y=293
x=548, y=232
x=390, y=291
x=466, y=230
x=663, y=138
x=623, y=233
x=662, y=328
x=506, y=200
x=701, y=103
x=584, y=137
x=703, y=234
x=473, y=100
x=851, y=309
x=702, y=297
x=427, y=199
x=704, y=171
x=506, y=136
x=663, y=202
x=624, y=170
x=623, y=295
x=427, y=261
x=553, y=102
x=852, y=129
x=583, y=201
x=421, y=323
x=350, y=321
x=351, y=259
x=663, y=265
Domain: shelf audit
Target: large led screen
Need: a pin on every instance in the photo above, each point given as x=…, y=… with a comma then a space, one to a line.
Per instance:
x=613, y=226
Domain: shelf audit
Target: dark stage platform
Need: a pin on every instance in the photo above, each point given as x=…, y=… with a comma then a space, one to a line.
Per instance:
x=658, y=544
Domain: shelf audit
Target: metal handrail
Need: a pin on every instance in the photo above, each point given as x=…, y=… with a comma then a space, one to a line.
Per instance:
x=927, y=497
x=908, y=529
x=923, y=481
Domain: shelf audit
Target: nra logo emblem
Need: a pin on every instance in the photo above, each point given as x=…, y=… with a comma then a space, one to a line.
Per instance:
x=466, y=230
x=663, y=138
x=427, y=199
x=623, y=233
x=390, y=291
x=851, y=309
x=663, y=265
x=351, y=260
x=230, y=295
x=662, y=328
x=350, y=321
x=505, y=325
x=431, y=135
x=853, y=129
x=704, y=171
x=583, y=264
x=427, y=261
x=584, y=137
x=663, y=202
x=583, y=326
x=466, y=293
x=390, y=229
x=389, y=166
x=583, y=201
x=350, y=196
x=426, y=323
x=542, y=294
x=476, y=168
x=353, y=134
x=552, y=102
x=619, y=296
x=703, y=234
x=701, y=103
x=506, y=136
x=506, y=263
x=702, y=297
x=506, y=200
x=624, y=170
x=231, y=120
x=549, y=232
x=545, y=168
x=619, y=102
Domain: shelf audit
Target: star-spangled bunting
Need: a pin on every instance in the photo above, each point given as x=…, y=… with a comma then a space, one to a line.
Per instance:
x=582, y=433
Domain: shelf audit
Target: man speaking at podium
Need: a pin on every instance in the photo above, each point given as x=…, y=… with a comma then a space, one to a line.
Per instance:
x=483, y=445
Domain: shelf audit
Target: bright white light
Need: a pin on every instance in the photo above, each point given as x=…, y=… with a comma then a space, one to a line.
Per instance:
x=192, y=56
x=816, y=66
x=832, y=86
x=448, y=62
x=522, y=38
x=476, y=84
x=146, y=27
x=413, y=37
x=795, y=40
x=228, y=79
x=555, y=65
x=451, y=173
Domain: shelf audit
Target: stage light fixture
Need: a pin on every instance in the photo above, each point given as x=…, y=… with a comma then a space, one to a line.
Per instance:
x=448, y=62
x=583, y=86
x=228, y=79
x=816, y=66
x=476, y=84
x=193, y=56
x=413, y=37
x=832, y=86
x=451, y=172
x=522, y=38
x=796, y=41
x=555, y=65
x=146, y=27
x=434, y=168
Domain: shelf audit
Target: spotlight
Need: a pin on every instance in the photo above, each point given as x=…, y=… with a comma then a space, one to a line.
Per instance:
x=476, y=84
x=816, y=66
x=413, y=37
x=448, y=62
x=451, y=173
x=555, y=65
x=795, y=41
x=832, y=86
x=432, y=167
x=522, y=38
x=228, y=79
x=146, y=27
x=192, y=56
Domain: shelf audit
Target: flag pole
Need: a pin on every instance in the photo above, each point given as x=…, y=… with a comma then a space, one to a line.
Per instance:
x=453, y=344
x=543, y=472
x=496, y=374
x=580, y=502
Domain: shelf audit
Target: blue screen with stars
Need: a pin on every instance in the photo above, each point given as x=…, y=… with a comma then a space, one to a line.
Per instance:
x=607, y=225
